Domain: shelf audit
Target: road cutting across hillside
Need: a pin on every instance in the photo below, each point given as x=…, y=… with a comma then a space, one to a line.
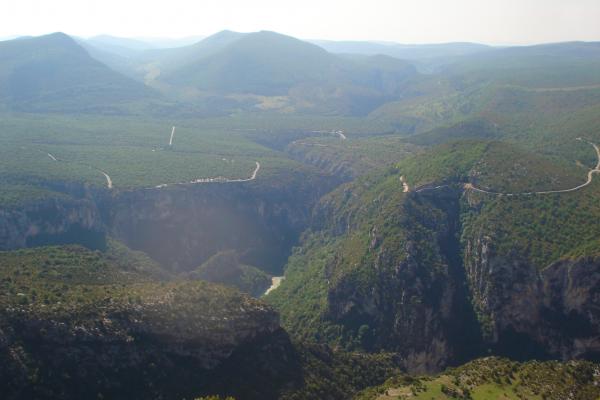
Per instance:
x=590, y=175
x=218, y=179
x=470, y=186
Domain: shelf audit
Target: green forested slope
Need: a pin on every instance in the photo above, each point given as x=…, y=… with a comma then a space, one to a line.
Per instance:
x=54, y=73
x=347, y=284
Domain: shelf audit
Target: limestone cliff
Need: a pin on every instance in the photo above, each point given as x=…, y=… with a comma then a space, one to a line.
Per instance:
x=528, y=313
x=180, y=226
x=426, y=275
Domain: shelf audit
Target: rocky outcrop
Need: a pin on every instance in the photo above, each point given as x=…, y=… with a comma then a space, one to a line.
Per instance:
x=529, y=313
x=166, y=345
x=406, y=310
x=404, y=292
x=571, y=307
x=52, y=221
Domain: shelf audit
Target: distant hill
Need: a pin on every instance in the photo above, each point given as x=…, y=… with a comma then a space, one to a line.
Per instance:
x=133, y=57
x=403, y=51
x=413, y=88
x=548, y=65
x=271, y=64
x=120, y=59
x=54, y=73
x=119, y=45
x=168, y=59
x=509, y=88
x=167, y=43
x=262, y=63
x=4, y=38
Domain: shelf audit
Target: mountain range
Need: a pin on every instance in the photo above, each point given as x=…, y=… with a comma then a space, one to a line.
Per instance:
x=266, y=70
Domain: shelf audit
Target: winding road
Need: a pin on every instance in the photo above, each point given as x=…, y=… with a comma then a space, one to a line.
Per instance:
x=339, y=133
x=218, y=179
x=108, y=180
x=298, y=142
x=430, y=188
x=109, y=183
x=470, y=186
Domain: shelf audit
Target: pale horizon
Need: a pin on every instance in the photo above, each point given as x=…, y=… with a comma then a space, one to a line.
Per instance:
x=494, y=22
x=199, y=37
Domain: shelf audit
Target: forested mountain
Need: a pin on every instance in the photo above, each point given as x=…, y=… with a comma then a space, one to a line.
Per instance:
x=179, y=57
x=54, y=73
x=270, y=64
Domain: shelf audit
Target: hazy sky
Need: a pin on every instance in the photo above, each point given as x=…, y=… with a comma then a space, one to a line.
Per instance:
x=414, y=21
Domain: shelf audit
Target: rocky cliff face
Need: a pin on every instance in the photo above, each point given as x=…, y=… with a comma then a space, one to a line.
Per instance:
x=180, y=226
x=394, y=277
x=414, y=274
x=522, y=311
x=417, y=304
x=68, y=219
x=571, y=298
x=405, y=311
x=530, y=313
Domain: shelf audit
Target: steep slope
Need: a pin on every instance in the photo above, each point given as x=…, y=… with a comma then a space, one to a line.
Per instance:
x=442, y=272
x=54, y=73
x=382, y=272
